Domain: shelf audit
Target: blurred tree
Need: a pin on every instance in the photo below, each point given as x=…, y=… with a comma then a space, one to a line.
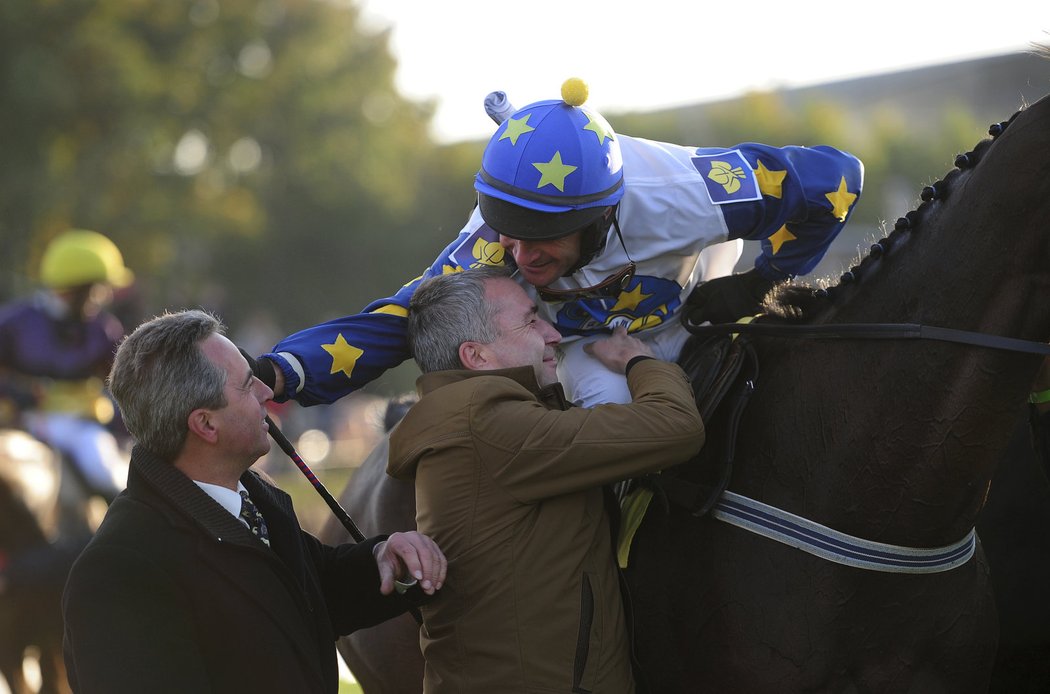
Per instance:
x=241, y=153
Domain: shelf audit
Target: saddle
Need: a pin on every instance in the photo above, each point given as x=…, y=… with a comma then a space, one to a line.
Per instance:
x=723, y=370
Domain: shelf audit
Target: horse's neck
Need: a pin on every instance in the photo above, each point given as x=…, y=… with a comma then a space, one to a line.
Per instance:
x=896, y=440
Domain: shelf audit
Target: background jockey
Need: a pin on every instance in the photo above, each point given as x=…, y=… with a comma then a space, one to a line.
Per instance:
x=605, y=230
x=56, y=348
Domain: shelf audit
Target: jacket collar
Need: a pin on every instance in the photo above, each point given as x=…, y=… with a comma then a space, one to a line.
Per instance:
x=162, y=478
x=553, y=395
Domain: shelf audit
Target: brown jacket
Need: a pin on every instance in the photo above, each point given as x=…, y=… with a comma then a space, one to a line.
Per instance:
x=509, y=484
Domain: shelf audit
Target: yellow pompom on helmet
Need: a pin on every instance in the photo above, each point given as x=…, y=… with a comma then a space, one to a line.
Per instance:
x=78, y=257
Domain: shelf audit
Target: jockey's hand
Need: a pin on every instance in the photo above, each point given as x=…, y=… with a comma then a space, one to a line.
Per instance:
x=728, y=299
x=265, y=371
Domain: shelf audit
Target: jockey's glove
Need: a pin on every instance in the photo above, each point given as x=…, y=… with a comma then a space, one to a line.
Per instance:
x=262, y=369
x=728, y=299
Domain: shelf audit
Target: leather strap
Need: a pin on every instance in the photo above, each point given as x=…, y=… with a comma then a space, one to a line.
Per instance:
x=875, y=331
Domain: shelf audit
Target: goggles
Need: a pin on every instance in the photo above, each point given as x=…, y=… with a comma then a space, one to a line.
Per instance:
x=608, y=288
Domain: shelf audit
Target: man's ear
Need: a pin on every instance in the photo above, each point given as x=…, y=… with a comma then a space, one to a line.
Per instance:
x=200, y=425
x=472, y=356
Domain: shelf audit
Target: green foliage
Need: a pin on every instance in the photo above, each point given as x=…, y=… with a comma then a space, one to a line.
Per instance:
x=232, y=150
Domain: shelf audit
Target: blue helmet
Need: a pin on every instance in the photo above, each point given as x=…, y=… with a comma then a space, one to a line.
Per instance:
x=552, y=168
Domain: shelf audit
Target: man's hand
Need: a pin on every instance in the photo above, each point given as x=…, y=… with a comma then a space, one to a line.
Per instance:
x=728, y=299
x=617, y=349
x=405, y=557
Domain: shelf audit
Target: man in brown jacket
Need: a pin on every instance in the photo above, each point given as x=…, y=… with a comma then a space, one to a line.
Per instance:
x=509, y=481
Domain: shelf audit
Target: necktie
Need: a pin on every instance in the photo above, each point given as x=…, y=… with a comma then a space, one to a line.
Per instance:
x=256, y=522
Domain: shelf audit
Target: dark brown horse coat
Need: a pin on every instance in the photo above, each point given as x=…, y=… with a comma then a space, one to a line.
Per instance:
x=892, y=441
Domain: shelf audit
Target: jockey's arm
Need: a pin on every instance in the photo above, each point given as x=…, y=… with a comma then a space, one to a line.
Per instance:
x=323, y=363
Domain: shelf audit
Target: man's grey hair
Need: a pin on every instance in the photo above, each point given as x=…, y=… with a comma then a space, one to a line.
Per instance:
x=160, y=375
x=448, y=310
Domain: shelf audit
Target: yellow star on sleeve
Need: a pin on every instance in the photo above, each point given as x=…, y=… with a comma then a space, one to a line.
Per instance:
x=770, y=182
x=780, y=238
x=515, y=128
x=390, y=310
x=599, y=127
x=554, y=172
x=344, y=355
x=841, y=200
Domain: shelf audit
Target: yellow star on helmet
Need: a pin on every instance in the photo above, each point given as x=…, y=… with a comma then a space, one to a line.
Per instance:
x=344, y=355
x=554, y=172
x=516, y=127
x=841, y=200
x=599, y=127
x=771, y=183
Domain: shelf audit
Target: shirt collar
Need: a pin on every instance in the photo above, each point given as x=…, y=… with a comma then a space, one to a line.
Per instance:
x=225, y=497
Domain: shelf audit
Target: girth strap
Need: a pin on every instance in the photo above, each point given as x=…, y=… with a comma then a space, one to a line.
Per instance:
x=838, y=547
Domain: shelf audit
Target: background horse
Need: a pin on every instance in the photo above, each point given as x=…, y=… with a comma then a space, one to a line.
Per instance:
x=892, y=441
x=384, y=659
x=36, y=556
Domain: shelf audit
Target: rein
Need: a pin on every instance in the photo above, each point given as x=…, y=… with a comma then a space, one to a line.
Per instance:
x=874, y=331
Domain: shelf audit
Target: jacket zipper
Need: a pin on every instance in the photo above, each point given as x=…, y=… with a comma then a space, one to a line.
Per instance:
x=583, y=640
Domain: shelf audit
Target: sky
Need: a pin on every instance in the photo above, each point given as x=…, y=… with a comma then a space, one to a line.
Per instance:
x=645, y=55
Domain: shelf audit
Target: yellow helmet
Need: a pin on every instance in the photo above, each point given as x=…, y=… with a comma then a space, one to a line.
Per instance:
x=78, y=257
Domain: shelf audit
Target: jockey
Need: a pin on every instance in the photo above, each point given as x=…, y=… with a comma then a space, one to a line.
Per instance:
x=57, y=347
x=605, y=230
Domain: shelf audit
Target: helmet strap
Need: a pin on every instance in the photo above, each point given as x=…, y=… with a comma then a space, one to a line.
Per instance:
x=592, y=239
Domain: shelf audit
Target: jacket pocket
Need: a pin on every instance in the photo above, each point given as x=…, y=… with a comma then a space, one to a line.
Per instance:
x=581, y=674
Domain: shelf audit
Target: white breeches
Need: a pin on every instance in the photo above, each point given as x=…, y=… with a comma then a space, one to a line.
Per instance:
x=89, y=445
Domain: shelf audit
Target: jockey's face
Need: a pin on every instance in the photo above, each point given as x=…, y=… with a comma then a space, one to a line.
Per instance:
x=542, y=262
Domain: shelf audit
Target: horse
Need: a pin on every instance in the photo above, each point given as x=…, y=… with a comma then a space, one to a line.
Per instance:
x=385, y=658
x=32, y=528
x=889, y=441
x=892, y=442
